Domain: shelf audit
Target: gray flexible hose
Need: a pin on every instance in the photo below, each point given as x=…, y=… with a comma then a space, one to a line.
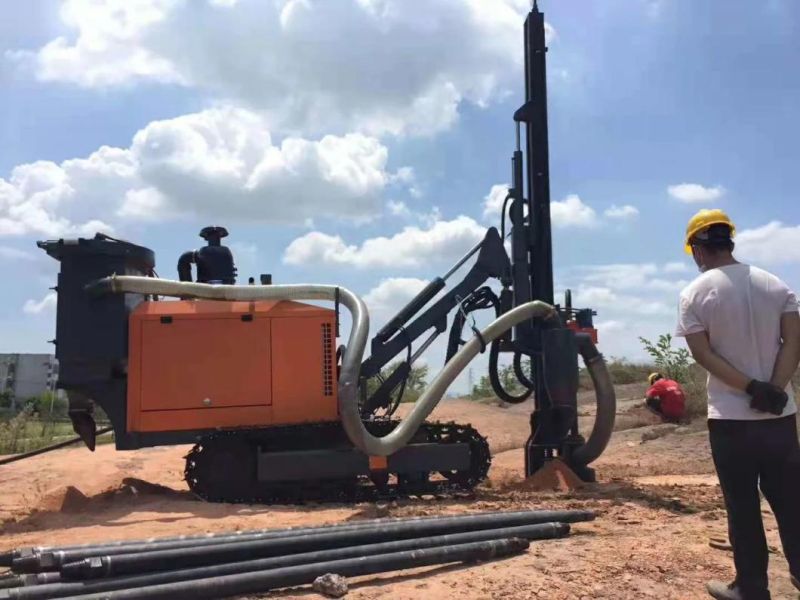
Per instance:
x=351, y=364
x=606, y=412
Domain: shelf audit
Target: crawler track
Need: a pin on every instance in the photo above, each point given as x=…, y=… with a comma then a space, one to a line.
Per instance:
x=221, y=467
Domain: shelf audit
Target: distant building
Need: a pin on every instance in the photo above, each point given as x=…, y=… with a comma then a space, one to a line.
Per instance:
x=27, y=375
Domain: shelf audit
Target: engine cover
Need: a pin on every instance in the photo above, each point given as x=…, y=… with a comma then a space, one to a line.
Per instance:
x=199, y=365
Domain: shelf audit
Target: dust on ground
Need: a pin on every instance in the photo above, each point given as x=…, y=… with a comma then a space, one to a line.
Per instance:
x=658, y=503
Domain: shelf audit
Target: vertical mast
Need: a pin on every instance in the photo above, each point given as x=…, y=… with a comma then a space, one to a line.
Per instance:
x=538, y=163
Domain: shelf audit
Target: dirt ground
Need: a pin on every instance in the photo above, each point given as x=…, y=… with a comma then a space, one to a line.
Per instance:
x=657, y=501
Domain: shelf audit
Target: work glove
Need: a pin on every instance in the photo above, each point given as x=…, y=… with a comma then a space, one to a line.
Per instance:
x=765, y=397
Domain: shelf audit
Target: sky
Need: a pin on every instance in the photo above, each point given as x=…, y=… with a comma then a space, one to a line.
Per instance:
x=367, y=143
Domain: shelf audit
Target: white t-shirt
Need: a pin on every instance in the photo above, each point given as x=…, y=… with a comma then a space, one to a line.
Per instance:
x=740, y=308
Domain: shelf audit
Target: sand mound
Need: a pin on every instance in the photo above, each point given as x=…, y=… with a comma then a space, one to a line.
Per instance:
x=554, y=476
x=66, y=499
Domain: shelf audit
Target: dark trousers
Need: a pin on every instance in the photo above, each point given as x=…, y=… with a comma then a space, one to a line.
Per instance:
x=749, y=455
x=654, y=404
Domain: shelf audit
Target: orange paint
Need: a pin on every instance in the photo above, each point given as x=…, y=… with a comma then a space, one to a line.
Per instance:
x=378, y=463
x=212, y=364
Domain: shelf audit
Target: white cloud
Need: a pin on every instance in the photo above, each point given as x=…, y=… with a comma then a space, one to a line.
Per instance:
x=632, y=276
x=569, y=212
x=370, y=65
x=631, y=299
x=625, y=212
x=493, y=201
x=773, y=243
x=690, y=193
x=412, y=247
x=401, y=209
x=35, y=307
x=220, y=162
x=391, y=294
x=572, y=212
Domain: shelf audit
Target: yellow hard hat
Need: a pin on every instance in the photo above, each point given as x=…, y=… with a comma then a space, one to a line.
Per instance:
x=703, y=220
x=654, y=377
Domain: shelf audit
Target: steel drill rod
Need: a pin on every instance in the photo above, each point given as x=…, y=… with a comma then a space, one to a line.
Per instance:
x=58, y=590
x=35, y=579
x=263, y=581
x=11, y=581
x=160, y=560
x=33, y=560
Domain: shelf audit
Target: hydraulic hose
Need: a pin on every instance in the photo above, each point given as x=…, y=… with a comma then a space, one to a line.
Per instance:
x=348, y=379
x=606, y=402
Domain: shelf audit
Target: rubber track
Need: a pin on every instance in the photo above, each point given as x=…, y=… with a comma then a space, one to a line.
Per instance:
x=221, y=467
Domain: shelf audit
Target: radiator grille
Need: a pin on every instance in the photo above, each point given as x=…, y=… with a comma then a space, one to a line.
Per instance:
x=327, y=359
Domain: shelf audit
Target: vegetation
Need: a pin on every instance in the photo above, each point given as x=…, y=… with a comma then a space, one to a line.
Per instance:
x=415, y=384
x=670, y=362
x=26, y=431
x=38, y=422
x=623, y=372
x=483, y=389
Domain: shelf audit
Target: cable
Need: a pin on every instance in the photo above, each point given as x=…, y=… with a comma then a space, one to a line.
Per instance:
x=520, y=373
x=483, y=298
x=390, y=411
x=497, y=385
x=503, y=217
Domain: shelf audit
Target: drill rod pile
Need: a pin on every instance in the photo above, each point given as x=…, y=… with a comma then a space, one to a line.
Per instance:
x=231, y=564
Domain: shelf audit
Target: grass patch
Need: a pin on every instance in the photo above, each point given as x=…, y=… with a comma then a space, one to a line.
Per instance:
x=26, y=431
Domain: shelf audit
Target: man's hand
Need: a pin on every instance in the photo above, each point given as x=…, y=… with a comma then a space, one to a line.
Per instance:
x=766, y=397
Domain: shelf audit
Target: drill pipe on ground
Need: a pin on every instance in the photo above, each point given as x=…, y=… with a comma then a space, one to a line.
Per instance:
x=34, y=560
x=7, y=557
x=160, y=560
x=263, y=581
x=59, y=590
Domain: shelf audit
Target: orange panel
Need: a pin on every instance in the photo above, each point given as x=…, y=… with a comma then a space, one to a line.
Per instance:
x=217, y=362
x=298, y=376
x=274, y=368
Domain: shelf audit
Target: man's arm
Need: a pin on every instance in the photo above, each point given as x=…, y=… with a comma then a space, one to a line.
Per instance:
x=789, y=354
x=712, y=362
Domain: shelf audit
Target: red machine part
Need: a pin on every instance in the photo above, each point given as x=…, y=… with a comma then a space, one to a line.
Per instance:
x=590, y=330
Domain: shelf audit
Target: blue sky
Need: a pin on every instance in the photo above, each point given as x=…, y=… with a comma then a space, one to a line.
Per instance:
x=312, y=130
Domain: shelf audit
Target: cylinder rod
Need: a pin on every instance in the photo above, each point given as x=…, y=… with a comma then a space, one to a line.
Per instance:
x=33, y=560
x=263, y=581
x=159, y=560
x=59, y=590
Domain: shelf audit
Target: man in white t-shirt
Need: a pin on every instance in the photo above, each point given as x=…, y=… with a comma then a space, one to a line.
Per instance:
x=742, y=325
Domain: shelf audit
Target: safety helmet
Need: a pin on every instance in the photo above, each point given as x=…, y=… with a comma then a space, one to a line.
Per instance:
x=703, y=220
x=654, y=377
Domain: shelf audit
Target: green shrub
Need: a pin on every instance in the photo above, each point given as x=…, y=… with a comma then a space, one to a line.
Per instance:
x=670, y=362
x=48, y=404
x=415, y=384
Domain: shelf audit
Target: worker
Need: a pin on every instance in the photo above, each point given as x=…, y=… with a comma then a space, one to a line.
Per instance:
x=742, y=325
x=665, y=397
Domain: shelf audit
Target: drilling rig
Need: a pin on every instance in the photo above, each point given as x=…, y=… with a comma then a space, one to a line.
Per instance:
x=277, y=410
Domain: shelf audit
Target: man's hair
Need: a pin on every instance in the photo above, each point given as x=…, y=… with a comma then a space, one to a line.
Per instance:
x=716, y=239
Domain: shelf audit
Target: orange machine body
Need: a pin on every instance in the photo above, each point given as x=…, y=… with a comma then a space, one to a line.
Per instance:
x=198, y=365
